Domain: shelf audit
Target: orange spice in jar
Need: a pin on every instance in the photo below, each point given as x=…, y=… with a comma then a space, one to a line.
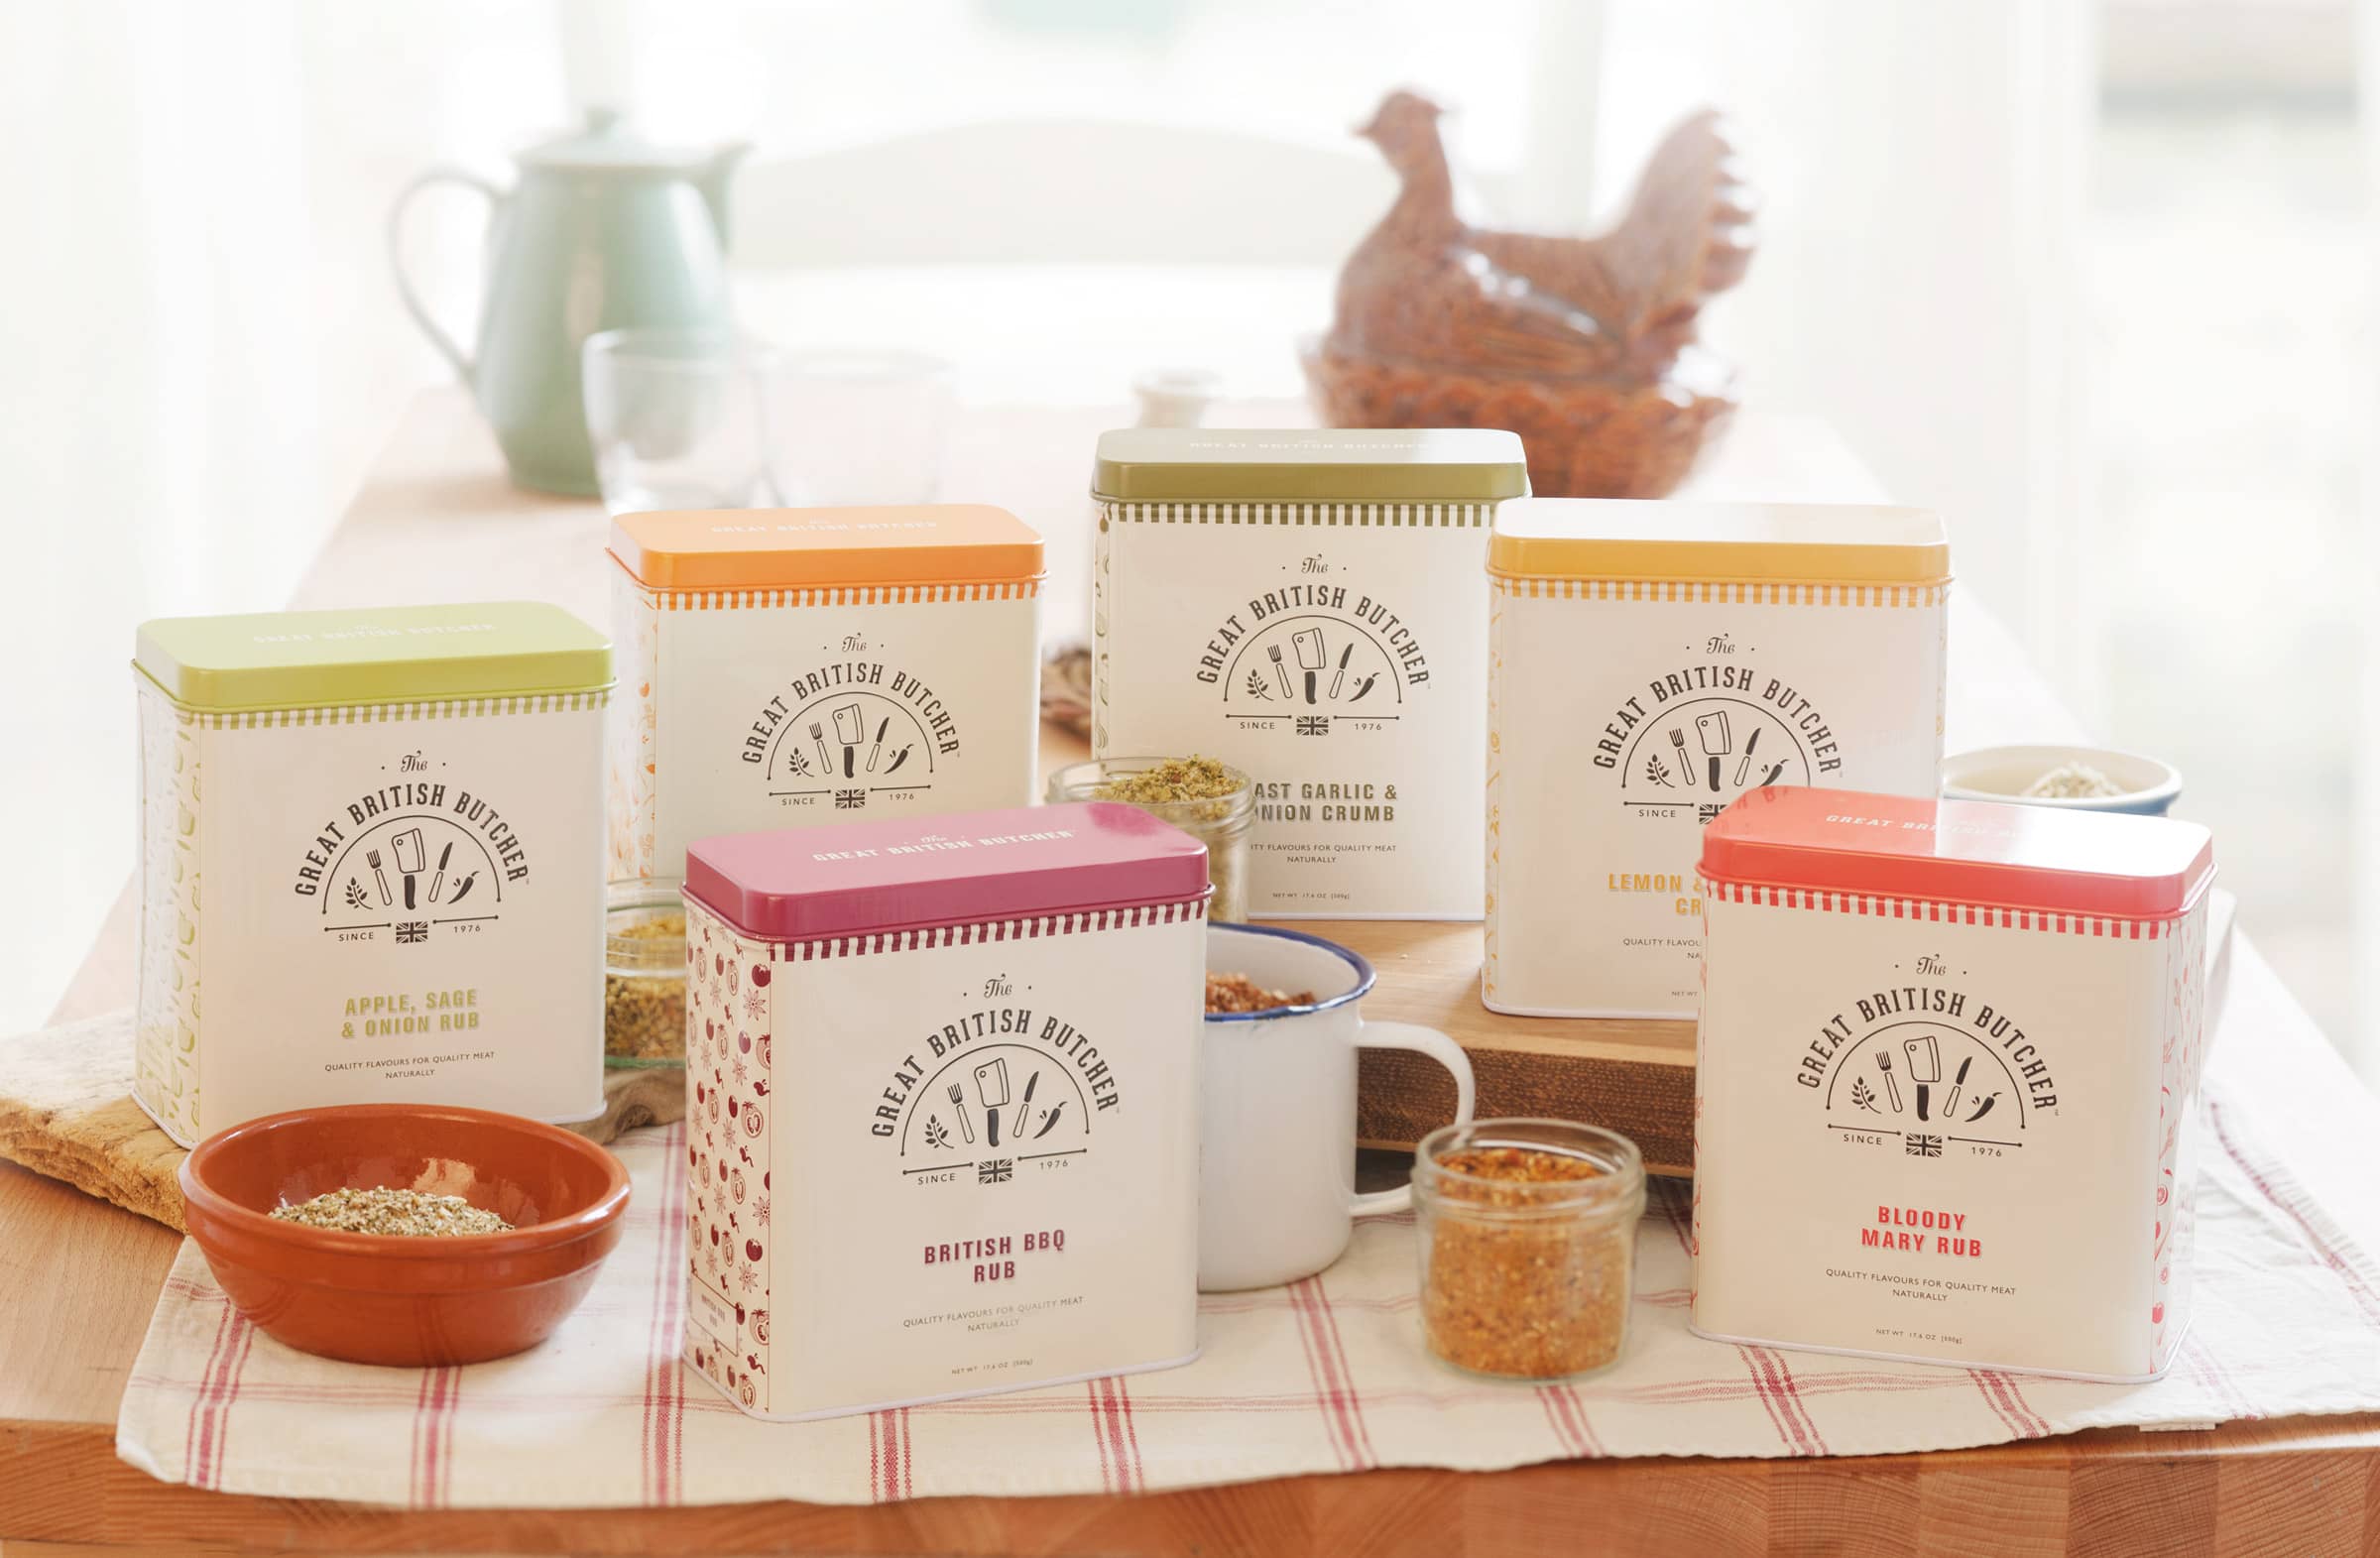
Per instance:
x=1527, y=1236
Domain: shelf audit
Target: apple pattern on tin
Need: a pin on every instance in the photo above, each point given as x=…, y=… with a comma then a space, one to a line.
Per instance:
x=728, y=1190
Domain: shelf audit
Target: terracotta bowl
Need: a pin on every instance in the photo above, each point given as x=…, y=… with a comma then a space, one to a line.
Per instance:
x=384, y=1298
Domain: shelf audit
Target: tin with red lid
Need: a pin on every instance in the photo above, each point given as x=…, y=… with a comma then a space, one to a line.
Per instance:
x=969, y=1045
x=1948, y=1079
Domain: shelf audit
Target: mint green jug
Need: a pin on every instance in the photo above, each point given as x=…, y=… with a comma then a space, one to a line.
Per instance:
x=601, y=230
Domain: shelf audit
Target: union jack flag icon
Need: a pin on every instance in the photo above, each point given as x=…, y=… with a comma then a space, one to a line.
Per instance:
x=1313, y=724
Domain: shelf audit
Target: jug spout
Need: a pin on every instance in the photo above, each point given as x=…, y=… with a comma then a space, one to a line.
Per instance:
x=712, y=180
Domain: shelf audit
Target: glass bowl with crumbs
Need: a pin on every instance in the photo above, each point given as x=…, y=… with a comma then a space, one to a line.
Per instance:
x=1210, y=801
x=643, y=973
x=1527, y=1238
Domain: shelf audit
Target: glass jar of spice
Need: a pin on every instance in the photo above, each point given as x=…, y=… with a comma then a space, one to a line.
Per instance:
x=643, y=973
x=1527, y=1234
x=1209, y=801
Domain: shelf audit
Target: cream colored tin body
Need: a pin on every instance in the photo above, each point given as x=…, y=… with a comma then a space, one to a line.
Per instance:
x=791, y=668
x=1947, y=1088
x=2052, y=1234
x=1627, y=709
x=948, y=1160
x=393, y=901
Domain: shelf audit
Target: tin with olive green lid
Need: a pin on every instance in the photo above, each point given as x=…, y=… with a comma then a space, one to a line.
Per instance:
x=397, y=816
x=1288, y=601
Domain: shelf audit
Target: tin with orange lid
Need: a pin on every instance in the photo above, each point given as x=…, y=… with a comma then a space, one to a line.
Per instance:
x=782, y=667
x=1947, y=1081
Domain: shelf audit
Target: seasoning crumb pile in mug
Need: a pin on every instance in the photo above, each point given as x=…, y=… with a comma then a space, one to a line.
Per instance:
x=1947, y=1049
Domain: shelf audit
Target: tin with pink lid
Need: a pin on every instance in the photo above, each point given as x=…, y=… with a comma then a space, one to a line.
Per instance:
x=1948, y=1079
x=968, y=1046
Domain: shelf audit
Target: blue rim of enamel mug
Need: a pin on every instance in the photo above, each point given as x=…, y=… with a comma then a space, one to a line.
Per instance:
x=1355, y=960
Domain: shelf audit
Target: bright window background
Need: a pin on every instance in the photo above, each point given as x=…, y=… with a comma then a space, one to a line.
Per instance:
x=2093, y=280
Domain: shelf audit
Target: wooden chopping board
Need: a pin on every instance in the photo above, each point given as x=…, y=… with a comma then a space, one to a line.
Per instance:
x=67, y=1112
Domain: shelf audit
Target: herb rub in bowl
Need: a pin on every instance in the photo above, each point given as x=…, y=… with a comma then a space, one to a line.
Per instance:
x=397, y=1298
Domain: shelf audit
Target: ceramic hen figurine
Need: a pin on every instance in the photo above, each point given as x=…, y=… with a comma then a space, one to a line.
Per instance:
x=1583, y=346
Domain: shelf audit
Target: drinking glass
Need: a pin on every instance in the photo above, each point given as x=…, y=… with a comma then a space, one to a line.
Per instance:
x=856, y=426
x=674, y=420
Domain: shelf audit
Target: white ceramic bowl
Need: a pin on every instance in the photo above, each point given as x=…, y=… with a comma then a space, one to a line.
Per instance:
x=2002, y=773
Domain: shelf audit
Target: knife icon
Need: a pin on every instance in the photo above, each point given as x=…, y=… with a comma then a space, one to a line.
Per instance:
x=1745, y=769
x=882, y=726
x=1340, y=675
x=1950, y=1105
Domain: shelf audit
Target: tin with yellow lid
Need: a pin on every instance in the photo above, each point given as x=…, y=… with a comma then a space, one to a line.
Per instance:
x=1293, y=601
x=370, y=861
x=1647, y=664
x=786, y=667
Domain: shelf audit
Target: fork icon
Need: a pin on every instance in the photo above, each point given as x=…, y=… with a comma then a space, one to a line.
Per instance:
x=958, y=1103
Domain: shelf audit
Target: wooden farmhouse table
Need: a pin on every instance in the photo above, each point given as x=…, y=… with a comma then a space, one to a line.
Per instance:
x=436, y=520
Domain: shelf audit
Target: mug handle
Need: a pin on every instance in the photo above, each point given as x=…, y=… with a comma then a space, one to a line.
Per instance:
x=1423, y=1042
x=404, y=288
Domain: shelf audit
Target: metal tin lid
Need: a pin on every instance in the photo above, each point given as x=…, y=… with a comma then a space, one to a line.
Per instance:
x=1630, y=538
x=780, y=549
x=865, y=878
x=1299, y=464
x=289, y=660
x=2039, y=858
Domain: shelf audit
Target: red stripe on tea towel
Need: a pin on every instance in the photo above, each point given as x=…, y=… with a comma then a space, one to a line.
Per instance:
x=1782, y=1398
x=430, y=1402
x=889, y=1455
x=1334, y=1394
x=2283, y=1194
x=1567, y=1414
x=661, y=1458
x=2007, y=1403
x=198, y=1398
x=1120, y=1467
x=215, y=1424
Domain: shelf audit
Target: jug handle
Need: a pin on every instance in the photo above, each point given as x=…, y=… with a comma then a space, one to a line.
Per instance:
x=404, y=288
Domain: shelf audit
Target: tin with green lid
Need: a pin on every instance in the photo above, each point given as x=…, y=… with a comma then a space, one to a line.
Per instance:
x=370, y=861
x=1295, y=602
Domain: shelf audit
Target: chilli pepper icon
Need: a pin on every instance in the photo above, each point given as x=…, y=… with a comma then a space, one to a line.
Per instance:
x=1361, y=687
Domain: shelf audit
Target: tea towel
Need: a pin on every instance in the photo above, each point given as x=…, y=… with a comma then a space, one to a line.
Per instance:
x=1326, y=1374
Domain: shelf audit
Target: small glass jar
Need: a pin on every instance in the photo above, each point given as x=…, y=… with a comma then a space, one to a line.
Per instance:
x=1220, y=821
x=643, y=973
x=1527, y=1234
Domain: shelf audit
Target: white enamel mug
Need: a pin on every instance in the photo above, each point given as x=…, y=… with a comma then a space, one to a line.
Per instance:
x=1276, y=1177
